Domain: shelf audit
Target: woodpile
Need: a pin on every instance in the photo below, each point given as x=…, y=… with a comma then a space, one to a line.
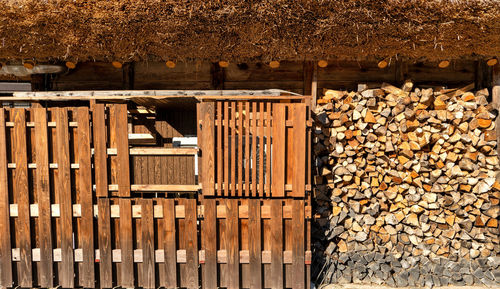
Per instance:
x=406, y=188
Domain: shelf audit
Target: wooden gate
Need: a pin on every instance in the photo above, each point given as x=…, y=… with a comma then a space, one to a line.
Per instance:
x=71, y=216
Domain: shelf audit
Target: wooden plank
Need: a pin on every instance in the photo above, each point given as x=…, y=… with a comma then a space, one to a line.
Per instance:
x=170, y=246
x=298, y=244
x=209, y=235
x=207, y=145
x=5, y=245
x=126, y=245
x=85, y=183
x=148, y=248
x=100, y=157
x=226, y=149
x=247, y=149
x=43, y=187
x=232, y=244
x=255, y=247
x=21, y=194
x=159, y=188
x=104, y=237
x=121, y=133
x=299, y=150
x=220, y=170
x=232, y=169
x=254, y=150
x=268, y=148
x=66, y=270
x=277, y=243
x=191, y=244
x=262, y=119
x=278, y=150
x=240, y=148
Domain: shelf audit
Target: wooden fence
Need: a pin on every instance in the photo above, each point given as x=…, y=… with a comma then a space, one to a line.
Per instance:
x=254, y=148
x=71, y=217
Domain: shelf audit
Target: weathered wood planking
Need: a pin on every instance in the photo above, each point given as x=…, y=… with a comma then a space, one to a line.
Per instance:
x=278, y=150
x=239, y=161
x=6, y=279
x=254, y=150
x=66, y=268
x=255, y=246
x=207, y=112
x=121, y=134
x=209, y=235
x=126, y=245
x=247, y=149
x=269, y=132
x=261, y=133
x=191, y=244
x=86, y=196
x=299, y=150
x=277, y=243
x=104, y=240
x=169, y=245
x=43, y=187
x=227, y=191
x=21, y=195
x=233, y=156
x=219, y=144
x=100, y=149
x=298, y=244
x=232, y=244
x=148, y=251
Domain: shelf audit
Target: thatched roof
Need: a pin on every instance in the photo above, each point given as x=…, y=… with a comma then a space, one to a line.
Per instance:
x=244, y=30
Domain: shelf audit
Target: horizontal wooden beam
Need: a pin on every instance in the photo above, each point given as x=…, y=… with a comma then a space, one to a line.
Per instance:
x=158, y=211
x=160, y=256
x=288, y=187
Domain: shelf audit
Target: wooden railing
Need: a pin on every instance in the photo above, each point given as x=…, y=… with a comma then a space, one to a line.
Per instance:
x=254, y=148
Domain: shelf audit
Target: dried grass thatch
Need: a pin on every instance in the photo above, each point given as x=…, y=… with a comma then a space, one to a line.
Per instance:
x=242, y=30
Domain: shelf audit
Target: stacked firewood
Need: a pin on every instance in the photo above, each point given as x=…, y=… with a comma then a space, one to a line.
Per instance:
x=406, y=187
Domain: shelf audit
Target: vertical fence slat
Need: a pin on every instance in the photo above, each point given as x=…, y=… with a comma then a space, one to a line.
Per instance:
x=277, y=243
x=268, y=149
x=5, y=246
x=232, y=245
x=191, y=244
x=104, y=237
x=226, y=149
x=21, y=192
x=262, y=119
x=220, y=170
x=254, y=149
x=170, y=246
x=298, y=247
x=254, y=226
x=207, y=145
x=122, y=153
x=299, y=150
x=66, y=270
x=240, y=148
x=232, y=169
x=85, y=184
x=100, y=154
x=43, y=187
x=209, y=235
x=148, y=248
x=278, y=153
x=247, y=149
x=126, y=244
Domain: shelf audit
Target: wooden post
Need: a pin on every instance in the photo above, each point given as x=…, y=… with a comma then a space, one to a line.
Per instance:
x=311, y=81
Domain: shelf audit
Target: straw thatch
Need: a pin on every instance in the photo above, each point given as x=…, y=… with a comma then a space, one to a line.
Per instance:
x=242, y=30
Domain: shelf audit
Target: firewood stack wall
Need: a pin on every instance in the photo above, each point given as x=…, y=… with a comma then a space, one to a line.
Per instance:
x=406, y=187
